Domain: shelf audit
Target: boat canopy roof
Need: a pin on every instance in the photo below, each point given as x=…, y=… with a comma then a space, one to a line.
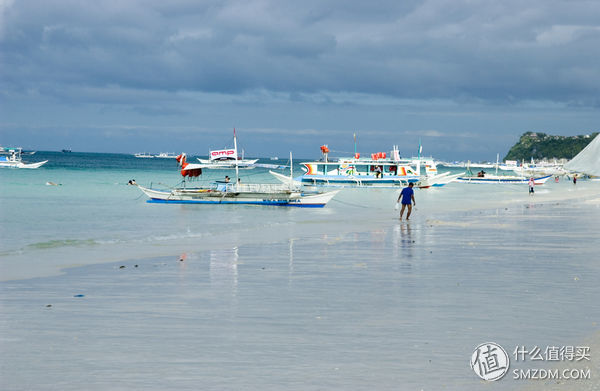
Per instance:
x=378, y=162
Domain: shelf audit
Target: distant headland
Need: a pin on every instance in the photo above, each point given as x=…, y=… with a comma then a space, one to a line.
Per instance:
x=538, y=146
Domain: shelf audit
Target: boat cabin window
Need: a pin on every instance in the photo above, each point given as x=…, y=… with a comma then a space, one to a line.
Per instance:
x=361, y=169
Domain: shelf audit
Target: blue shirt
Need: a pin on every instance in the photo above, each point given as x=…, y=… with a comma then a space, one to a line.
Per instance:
x=406, y=194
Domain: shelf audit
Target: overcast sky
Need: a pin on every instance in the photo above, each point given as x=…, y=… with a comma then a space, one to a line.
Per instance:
x=467, y=78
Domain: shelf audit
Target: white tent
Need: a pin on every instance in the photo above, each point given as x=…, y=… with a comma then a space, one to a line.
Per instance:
x=588, y=160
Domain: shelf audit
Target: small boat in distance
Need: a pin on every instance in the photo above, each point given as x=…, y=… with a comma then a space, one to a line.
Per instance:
x=66, y=151
x=166, y=155
x=227, y=158
x=11, y=158
x=539, y=169
x=144, y=155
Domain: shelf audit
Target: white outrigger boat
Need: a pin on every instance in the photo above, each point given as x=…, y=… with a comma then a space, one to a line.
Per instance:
x=11, y=158
x=503, y=179
x=376, y=171
x=482, y=178
x=165, y=155
x=227, y=158
x=539, y=169
x=285, y=194
x=236, y=193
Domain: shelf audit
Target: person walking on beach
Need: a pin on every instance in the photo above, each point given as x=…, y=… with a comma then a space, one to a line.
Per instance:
x=407, y=195
x=531, y=184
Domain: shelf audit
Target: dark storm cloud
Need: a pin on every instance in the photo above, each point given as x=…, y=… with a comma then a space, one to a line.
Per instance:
x=501, y=52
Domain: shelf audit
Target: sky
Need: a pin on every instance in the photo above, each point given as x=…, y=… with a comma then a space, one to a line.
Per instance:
x=464, y=77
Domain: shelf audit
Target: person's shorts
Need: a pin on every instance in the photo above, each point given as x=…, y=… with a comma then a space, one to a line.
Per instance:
x=406, y=204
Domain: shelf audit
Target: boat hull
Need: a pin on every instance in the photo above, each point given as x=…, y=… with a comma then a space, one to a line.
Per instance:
x=245, y=197
x=370, y=181
x=439, y=180
x=228, y=164
x=22, y=165
x=502, y=180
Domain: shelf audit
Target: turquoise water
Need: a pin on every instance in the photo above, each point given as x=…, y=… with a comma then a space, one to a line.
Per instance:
x=246, y=297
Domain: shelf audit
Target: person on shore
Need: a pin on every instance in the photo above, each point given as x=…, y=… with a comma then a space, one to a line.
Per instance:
x=406, y=196
x=574, y=179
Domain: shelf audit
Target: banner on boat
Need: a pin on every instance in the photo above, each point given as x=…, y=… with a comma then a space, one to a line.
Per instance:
x=223, y=154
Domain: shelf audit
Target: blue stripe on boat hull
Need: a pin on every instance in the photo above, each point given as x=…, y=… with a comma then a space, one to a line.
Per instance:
x=272, y=203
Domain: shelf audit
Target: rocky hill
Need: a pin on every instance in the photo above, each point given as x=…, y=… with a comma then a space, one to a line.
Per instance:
x=544, y=146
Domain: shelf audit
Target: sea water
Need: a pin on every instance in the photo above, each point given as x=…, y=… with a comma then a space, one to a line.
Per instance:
x=102, y=290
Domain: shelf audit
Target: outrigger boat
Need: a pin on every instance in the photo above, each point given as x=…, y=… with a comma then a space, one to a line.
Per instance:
x=286, y=194
x=504, y=179
x=539, y=169
x=236, y=193
x=224, y=159
x=227, y=158
x=376, y=171
x=11, y=158
x=482, y=177
x=166, y=155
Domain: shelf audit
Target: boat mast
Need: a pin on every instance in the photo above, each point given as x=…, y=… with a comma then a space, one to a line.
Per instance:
x=291, y=169
x=497, y=162
x=237, y=174
x=419, y=159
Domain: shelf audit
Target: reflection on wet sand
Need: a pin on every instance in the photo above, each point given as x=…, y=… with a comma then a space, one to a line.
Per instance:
x=224, y=269
x=403, y=241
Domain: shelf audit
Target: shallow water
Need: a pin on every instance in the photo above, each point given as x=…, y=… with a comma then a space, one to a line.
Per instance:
x=238, y=297
x=95, y=212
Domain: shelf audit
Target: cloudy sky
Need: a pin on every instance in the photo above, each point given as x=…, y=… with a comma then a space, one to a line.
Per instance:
x=466, y=77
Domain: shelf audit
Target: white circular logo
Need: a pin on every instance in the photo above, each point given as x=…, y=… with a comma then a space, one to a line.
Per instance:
x=490, y=361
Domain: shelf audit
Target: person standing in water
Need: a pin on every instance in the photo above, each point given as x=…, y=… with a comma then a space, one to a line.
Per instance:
x=531, y=184
x=407, y=195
